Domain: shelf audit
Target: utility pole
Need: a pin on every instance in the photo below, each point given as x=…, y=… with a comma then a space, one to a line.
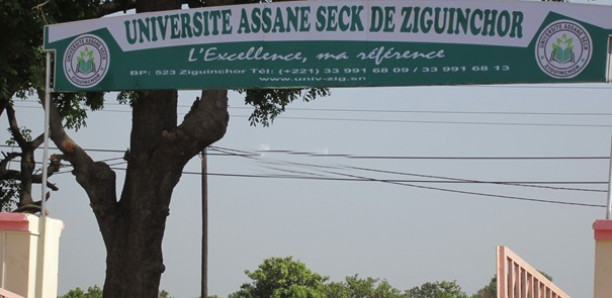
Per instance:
x=204, y=276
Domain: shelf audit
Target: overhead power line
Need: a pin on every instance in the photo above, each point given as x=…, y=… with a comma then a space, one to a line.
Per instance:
x=437, y=112
x=353, y=110
x=437, y=122
x=378, y=120
x=352, y=177
x=303, y=177
x=365, y=179
x=438, y=178
x=480, y=193
x=441, y=189
x=506, y=183
x=221, y=151
x=344, y=155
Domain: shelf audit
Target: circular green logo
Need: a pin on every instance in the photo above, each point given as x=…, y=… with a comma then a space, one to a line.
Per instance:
x=564, y=49
x=86, y=61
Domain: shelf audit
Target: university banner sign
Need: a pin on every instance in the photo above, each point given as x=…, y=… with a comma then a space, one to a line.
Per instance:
x=335, y=44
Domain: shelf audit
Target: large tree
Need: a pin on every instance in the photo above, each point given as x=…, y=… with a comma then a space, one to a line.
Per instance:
x=438, y=289
x=357, y=287
x=132, y=222
x=282, y=278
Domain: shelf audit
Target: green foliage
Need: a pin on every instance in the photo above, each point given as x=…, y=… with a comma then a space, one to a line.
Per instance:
x=282, y=278
x=20, y=43
x=269, y=103
x=10, y=190
x=164, y=294
x=128, y=97
x=355, y=287
x=92, y=292
x=25, y=132
x=488, y=291
x=546, y=275
x=9, y=195
x=96, y=292
x=439, y=289
x=72, y=107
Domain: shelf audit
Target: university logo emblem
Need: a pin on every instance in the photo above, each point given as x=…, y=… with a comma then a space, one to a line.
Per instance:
x=564, y=49
x=86, y=61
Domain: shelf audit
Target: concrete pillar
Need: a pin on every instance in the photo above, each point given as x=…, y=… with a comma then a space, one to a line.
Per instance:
x=603, y=258
x=29, y=253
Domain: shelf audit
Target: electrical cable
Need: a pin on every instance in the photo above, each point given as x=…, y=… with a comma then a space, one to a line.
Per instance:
x=396, y=111
x=241, y=153
x=447, y=190
x=468, y=192
x=510, y=183
x=357, y=178
x=252, y=155
x=526, y=184
x=314, y=154
x=448, y=179
x=413, y=121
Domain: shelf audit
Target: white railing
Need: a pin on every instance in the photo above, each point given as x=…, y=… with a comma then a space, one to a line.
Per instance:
x=8, y=294
x=517, y=279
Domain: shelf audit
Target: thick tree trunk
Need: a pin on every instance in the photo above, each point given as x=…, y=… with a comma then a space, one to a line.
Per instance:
x=134, y=252
x=134, y=261
x=159, y=151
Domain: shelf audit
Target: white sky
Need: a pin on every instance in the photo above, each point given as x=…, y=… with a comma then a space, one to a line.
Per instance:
x=403, y=234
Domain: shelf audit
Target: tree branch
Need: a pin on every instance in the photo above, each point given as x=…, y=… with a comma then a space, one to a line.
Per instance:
x=54, y=166
x=3, y=104
x=14, y=126
x=38, y=179
x=110, y=7
x=7, y=158
x=96, y=178
x=6, y=174
x=11, y=175
x=203, y=125
x=38, y=140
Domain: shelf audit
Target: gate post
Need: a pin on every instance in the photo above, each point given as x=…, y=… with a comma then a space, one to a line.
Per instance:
x=603, y=258
x=29, y=254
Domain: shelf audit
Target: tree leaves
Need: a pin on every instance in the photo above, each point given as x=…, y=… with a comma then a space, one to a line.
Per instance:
x=269, y=103
x=92, y=292
x=285, y=277
x=282, y=278
x=9, y=191
x=438, y=289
